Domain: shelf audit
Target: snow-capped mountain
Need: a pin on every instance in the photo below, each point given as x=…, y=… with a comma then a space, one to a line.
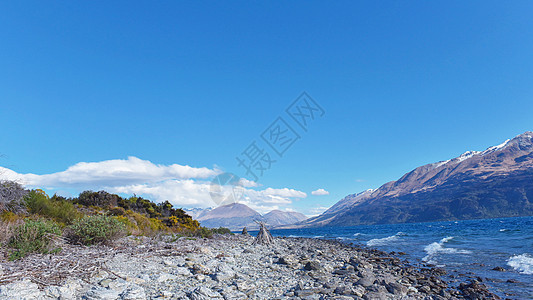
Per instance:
x=278, y=217
x=235, y=216
x=496, y=182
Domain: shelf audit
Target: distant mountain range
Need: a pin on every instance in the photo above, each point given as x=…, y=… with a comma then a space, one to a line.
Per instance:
x=235, y=216
x=497, y=182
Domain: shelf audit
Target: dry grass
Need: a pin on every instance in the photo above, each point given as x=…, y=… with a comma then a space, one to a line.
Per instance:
x=7, y=228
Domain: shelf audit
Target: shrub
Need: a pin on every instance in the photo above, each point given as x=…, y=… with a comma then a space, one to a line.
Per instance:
x=100, y=199
x=7, y=227
x=202, y=232
x=34, y=236
x=222, y=230
x=9, y=217
x=91, y=230
x=117, y=211
x=11, y=195
x=57, y=208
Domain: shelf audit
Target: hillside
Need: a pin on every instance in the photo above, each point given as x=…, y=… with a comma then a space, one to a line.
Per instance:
x=278, y=217
x=497, y=182
x=235, y=216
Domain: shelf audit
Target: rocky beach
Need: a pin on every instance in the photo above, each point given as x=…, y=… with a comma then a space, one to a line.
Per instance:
x=226, y=267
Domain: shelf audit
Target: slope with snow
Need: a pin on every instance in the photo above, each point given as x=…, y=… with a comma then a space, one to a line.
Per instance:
x=497, y=182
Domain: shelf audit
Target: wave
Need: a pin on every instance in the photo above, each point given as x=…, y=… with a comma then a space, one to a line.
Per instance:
x=385, y=241
x=522, y=263
x=357, y=234
x=435, y=248
x=504, y=229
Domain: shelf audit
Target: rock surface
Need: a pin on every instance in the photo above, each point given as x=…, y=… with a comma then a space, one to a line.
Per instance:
x=231, y=267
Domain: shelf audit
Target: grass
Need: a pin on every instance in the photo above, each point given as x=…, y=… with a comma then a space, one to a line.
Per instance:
x=91, y=230
x=33, y=236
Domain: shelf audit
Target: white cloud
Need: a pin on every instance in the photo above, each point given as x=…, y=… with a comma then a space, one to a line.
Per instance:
x=115, y=172
x=248, y=183
x=183, y=186
x=320, y=192
x=179, y=192
x=285, y=192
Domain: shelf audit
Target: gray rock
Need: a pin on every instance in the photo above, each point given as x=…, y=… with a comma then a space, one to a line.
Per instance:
x=359, y=291
x=313, y=266
x=223, y=276
x=133, y=292
x=203, y=293
x=105, y=282
x=396, y=288
x=366, y=280
x=20, y=290
x=100, y=293
x=305, y=292
x=65, y=292
x=287, y=260
x=181, y=271
x=164, y=277
x=200, y=269
x=376, y=296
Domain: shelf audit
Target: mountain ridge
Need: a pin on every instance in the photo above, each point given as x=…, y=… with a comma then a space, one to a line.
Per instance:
x=499, y=173
x=235, y=216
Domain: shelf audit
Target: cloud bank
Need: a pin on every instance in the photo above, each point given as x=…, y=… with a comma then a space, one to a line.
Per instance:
x=182, y=185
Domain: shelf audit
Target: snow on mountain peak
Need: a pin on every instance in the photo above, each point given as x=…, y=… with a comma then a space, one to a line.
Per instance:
x=496, y=148
x=365, y=192
x=469, y=154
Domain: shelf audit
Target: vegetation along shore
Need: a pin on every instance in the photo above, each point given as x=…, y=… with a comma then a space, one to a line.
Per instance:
x=102, y=246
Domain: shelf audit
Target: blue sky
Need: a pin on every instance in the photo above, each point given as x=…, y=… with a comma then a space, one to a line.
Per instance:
x=194, y=83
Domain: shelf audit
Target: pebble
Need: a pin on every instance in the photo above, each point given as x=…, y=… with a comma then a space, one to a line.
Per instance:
x=230, y=267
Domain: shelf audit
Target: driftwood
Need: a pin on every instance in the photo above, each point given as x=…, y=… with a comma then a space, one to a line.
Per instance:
x=80, y=262
x=245, y=231
x=263, y=237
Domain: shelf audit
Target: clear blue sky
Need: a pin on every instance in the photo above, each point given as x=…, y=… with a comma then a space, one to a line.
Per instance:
x=193, y=83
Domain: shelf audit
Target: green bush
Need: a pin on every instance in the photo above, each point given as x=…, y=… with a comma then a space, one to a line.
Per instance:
x=222, y=230
x=34, y=236
x=91, y=230
x=100, y=199
x=57, y=208
x=202, y=232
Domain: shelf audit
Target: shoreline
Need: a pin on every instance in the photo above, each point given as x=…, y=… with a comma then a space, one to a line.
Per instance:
x=226, y=267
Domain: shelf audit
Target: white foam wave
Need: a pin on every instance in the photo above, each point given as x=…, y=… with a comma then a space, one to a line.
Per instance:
x=504, y=229
x=384, y=241
x=522, y=263
x=435, y=248
x=357, y=234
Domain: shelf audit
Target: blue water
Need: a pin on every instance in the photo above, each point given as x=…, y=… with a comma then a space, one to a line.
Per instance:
x=466, y=249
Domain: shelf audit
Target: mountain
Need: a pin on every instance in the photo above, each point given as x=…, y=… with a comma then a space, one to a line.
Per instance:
x=278, y=217
x=497, y=182
x=196, y=213
x=235, y=216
